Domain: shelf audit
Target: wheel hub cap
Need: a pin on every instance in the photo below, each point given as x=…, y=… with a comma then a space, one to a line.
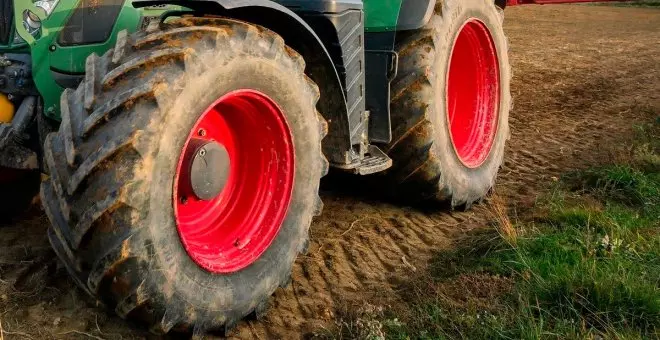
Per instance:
x=209, y=169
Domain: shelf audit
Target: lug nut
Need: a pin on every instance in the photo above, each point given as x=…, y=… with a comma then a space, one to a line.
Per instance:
x=201, y=132
x=184, y=199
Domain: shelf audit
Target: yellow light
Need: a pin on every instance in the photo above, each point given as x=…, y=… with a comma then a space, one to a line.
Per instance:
x=6, y=109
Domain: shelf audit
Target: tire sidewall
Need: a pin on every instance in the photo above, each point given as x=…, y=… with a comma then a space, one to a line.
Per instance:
x=240, y=292
x=468, y=184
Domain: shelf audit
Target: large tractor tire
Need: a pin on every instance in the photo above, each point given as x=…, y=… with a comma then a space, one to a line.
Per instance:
x=185, y=174
x=18, y=188
x=450, y=104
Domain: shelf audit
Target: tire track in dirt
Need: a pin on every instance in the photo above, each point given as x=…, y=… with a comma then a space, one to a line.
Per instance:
x=577, y=92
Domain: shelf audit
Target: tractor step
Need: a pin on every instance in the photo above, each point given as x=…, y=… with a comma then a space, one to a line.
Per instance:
x=375, y=160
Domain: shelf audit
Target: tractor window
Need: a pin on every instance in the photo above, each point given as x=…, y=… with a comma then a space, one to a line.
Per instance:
x=91, y=22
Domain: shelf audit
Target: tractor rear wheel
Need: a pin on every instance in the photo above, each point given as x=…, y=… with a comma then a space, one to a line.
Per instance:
x=450, y=104
x=185, y=174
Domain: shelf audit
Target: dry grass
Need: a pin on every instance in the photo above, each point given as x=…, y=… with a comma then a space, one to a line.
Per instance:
x=503, y=225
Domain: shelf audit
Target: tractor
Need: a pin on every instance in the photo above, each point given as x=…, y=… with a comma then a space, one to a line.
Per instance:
x=178, y=146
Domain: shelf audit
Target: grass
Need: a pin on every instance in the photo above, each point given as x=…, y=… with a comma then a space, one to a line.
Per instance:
x=586, y=265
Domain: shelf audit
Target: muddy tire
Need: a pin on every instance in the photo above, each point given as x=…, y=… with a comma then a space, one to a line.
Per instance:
x=18, y=189
x=114, y=196
x=435, y=155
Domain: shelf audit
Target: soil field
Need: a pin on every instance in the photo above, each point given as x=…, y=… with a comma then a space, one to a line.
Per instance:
x=583, y=77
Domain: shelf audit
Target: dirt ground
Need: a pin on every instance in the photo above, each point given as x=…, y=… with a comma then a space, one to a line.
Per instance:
x=583, y=76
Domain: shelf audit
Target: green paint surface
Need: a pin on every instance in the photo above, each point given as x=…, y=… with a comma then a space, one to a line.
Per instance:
x=381, y=15
x=48, y=55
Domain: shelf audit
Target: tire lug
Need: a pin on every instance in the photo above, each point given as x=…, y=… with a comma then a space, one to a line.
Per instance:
x=261, y=309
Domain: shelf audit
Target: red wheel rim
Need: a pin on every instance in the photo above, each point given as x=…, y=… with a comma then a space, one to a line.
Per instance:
x=231, y=230
x=473, y=93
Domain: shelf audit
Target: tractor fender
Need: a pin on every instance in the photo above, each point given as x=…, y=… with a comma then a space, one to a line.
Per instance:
x=415, y=14
x=298, y=35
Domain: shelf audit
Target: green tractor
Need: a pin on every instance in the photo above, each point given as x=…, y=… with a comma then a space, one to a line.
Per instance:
x=182, y=142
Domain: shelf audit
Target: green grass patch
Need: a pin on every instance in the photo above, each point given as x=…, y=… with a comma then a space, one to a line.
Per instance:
x=580, y=272
x=586, y=266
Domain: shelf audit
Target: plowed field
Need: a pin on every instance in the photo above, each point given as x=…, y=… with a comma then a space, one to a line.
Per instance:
x=583, y=76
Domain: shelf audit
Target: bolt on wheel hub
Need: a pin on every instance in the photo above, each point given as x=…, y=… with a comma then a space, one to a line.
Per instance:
x=234, y=181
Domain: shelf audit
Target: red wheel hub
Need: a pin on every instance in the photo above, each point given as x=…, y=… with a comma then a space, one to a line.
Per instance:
x=234, y=181
x=473, y=93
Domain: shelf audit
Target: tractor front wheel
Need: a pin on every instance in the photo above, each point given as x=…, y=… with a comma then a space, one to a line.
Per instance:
x=185, y=174
x=450, y=104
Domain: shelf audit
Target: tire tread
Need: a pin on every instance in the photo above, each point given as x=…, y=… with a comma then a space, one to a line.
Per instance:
x=71, y=195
